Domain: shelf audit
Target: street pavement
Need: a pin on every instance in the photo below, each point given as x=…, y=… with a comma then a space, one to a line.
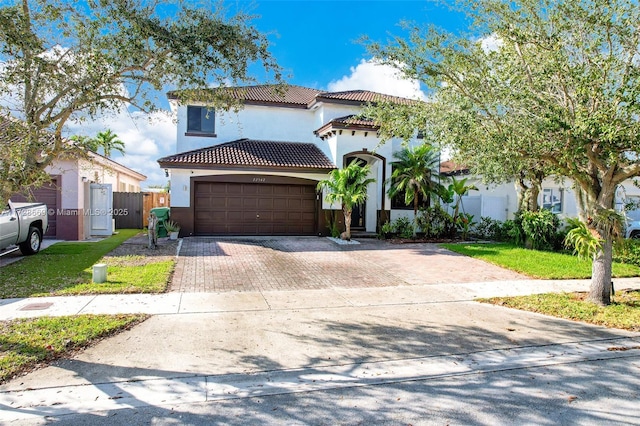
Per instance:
x=405, y=353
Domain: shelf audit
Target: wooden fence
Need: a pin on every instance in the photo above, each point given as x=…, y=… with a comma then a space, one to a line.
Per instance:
x=131, y=209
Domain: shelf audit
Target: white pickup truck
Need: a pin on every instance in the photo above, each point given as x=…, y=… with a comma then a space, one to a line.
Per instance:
x=22, y=225
x=633, y=229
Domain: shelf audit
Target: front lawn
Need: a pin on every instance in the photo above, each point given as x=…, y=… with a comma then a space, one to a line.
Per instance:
x=623, y=312
x=66, y=268
x=537, y=264
x=29, y=343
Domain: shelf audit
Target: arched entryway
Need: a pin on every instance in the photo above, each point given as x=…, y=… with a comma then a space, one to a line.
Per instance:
x=365, y=216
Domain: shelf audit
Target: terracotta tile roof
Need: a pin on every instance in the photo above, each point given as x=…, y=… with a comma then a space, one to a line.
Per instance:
x=348, y=122
x=363, y=96
x=302, y=97
x=449, y=168
x=268, y=94
x=11, y=129
x=253, y=153
x=354, y=120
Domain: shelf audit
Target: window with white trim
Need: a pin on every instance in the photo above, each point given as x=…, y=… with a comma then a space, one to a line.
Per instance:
x=552, y=199
x=200, y=121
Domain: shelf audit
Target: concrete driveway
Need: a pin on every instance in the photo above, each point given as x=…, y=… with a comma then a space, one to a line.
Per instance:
x=416, y=351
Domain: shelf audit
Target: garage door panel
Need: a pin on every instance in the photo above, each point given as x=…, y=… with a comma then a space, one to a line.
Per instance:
x=249, y=189
x=266, y=203
x=280, y=204
x=308, y=205
x=219, y=216
x=280, y=216
x=281, y=190
x=308, y=217
x=266, y=190
x=228, y=203
x=294, y=204
x=249, y=203
x=254, y=209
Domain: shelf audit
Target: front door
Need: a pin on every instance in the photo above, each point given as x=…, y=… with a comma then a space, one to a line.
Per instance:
x=357, y=216
x=101, y=205
x=358, y=212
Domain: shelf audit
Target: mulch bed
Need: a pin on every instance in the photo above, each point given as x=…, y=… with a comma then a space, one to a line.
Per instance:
x=139, y=246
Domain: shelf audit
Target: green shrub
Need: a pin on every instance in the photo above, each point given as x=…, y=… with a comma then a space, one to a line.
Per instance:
x=386, y=229
x=540, y=229
x=579, y=239
x=403, y=226
x=512, y=231
x=464, y=223
x=487, y=229
x=435, y=222
x=627, y=251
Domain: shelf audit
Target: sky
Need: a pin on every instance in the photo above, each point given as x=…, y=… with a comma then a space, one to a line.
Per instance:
x=316, y=43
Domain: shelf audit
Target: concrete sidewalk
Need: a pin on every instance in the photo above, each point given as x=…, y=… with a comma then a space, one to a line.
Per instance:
x=189, y=303
x=335, y=356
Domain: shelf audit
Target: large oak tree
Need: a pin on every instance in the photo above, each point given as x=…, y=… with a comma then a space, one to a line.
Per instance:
x=539, y=87
x=62, y=61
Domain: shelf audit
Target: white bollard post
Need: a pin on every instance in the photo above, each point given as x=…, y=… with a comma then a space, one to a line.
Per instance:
x=99, y=273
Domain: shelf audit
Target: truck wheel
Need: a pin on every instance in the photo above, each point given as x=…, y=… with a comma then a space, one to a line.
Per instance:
x=635, y=235
x=33, y=242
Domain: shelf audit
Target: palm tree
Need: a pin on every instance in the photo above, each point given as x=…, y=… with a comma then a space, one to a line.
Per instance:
x=414, y=175
x=348, y=186
x=108, y=141
x=460, y=189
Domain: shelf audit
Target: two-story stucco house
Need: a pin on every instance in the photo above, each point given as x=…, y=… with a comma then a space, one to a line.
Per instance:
x=255, y=171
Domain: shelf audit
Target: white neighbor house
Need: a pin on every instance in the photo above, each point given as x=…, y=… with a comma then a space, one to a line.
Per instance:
x=500, y=201
x=255, y=172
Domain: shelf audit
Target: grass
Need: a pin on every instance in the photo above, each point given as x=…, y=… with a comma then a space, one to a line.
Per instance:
x=148, y=278
x=537, y=264
x=623, y=313
x=27, y=343
x=66, y=268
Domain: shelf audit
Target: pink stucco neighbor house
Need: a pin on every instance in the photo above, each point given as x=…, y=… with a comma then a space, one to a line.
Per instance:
x=79, y=195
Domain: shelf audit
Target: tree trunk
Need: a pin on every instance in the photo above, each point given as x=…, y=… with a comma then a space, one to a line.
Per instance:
x=415, y=216
x=534, y=191
x=528, y=194
x=600, y=291
x=347, y=223
x=591, y=206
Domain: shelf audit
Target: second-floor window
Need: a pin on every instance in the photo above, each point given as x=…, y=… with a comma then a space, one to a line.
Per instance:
x=200, y=120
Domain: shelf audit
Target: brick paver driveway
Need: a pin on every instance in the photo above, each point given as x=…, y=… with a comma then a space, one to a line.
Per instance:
x=295, y=263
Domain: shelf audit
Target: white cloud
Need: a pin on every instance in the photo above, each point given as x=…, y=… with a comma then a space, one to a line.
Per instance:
x=146, y=138
x=491, y=43
x=370, y=75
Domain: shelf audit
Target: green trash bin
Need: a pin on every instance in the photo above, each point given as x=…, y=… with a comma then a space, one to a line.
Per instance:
x=162, y=213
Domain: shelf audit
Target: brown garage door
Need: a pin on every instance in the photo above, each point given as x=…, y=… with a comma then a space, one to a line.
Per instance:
x=47, y=194
x=226, y=208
